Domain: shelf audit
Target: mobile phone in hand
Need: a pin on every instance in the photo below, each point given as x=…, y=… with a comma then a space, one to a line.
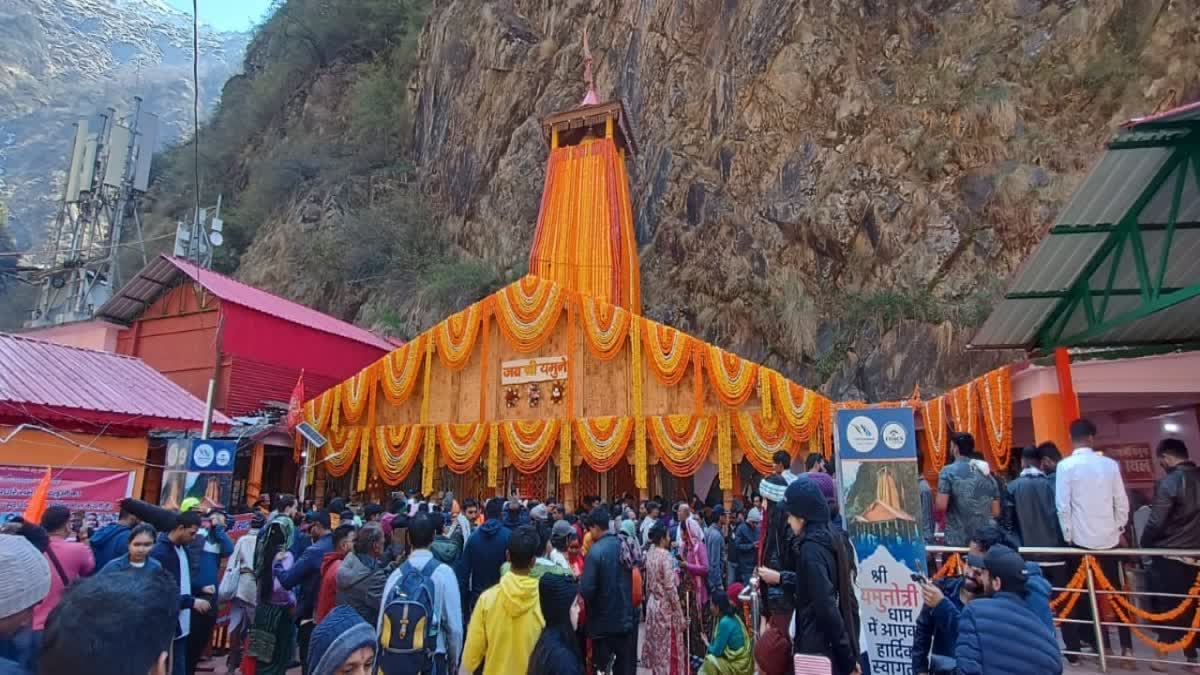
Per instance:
x=920, y=578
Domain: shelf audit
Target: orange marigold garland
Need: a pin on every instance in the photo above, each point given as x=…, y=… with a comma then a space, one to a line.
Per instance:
x=669, y=350
x=356, y=391
x=527, y=311
x=462, y=445
x=341, y=450
x=429, y=460
x=456, y=335
x=396, y=450
x=317, y=411
x=724, y=452
x=641, y=473
x=731, y=376
x=761, y=438
x=529, y=443
x=962, y=408
x=766, y=377
x=800, y=408
x=605, y=326
x=1169, y=615
x=564, y=452
x=995, y=395
x=681, y=442
x=493, y=462
x=398, y=370
x=364, y=458
x=603, y=440
x=933, y=413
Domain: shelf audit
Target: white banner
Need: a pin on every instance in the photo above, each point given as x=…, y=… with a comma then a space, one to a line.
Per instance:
x=544, y=369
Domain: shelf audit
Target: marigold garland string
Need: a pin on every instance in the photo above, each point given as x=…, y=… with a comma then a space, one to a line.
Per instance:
x=529, y=443
x=1169, y=615
x=670, y=351
x=799, y=408
x=995, y=397
x=962, y=408
x=493, y=467
x=425, y=384
x=641, y=464
x=364, y=458
x=355, y=391
x=765, y=378
x=396, y=450
x=317, y=410
x=527, y=311
x=484, y=345
x=698, y=379
x=429, y=460
x=605, y=327
x=952, y=566
x=456, y=335
x=933, y=413
x=399, y=369
x=603, y=440
x=731, y=376
x=681, y=442
x=462, y=444
x=341, y=450
x=761, y=438
x=564, y=452
x=335, y=421
x=724, y=452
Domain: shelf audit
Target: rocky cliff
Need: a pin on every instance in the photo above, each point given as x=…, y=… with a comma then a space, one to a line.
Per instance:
x=838, y=189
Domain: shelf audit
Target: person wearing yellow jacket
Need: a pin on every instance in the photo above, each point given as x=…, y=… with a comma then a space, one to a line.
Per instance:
x=508, y=618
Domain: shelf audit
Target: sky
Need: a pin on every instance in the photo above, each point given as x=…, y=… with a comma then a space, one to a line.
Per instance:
x=226, y=15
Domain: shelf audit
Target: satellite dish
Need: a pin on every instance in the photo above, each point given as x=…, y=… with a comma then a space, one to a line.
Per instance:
x=216, y=238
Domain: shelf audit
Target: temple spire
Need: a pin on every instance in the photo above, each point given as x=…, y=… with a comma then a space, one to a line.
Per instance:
x=588, y=77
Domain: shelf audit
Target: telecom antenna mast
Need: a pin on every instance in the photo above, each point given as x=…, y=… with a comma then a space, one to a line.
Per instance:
x=107, y=178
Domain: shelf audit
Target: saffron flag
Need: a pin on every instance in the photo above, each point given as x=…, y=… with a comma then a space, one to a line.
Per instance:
x=37, y=500
x=296, y=406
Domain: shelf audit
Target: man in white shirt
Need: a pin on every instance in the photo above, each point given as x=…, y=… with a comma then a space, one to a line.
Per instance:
x=1093, y=509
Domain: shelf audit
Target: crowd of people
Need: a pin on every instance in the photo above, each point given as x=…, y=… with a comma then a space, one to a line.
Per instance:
x=426, y=584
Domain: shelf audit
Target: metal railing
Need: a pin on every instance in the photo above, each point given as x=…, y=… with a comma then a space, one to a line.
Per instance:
x=1099, y=626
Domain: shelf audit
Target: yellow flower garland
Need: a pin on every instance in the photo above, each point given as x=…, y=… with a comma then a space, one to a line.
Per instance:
x=670, y=350
x=527, y=311
x=429, y=461
x=766, y=378
x=731, y=376
x=356, y=390
x=529, y=442
x=761, y=438
x=724, y=452
x=995, y=393
x=396, y=450
x=456, y=336
x=493, y=467
x=603, y=440
x=398, y=370
x=317, y=411
x=641, y=464
x=641, y=478
x=605, y=326
x=564, y=452
x=799, y=407
x=462, y=444
x=364, y=459
x=681, y=441
x=341, y=450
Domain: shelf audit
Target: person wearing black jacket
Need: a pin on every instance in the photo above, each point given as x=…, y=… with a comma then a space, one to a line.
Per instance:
x=819, y=581
x=1174, y=523
x=607, y=590
x=171, y=552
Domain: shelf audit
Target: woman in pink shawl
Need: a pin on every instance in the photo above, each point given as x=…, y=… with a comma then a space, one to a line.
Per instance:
x=693, y=592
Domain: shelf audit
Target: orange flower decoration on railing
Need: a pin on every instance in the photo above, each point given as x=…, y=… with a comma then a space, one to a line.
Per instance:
x=995, y=395
x=603, y=440
x=399, y=370
x=669, y=350
x=529, y=443
x=462, y=444
x=760, y=439
x=397, y=448
x=527, y=312
x=317, y=411
x=456, y=335
x=356, y=393
x=800, y=408
x=342, y=449
x=731, y=376
x=606, y=327
x=681, y=442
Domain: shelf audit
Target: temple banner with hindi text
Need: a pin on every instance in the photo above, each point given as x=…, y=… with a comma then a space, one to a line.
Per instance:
x=541, y=369
x=877, y=476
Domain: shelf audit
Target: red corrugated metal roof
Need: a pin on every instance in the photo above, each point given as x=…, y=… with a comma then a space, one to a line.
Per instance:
x=252, y=382
x=162, y=273
x=43, y=376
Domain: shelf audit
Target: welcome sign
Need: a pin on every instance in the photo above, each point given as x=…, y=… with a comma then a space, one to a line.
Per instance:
x=877, y=480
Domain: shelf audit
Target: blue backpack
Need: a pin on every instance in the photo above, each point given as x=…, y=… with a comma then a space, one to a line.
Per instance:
x=408, y=626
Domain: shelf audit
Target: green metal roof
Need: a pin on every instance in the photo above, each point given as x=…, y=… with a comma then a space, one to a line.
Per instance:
x=1121, y=265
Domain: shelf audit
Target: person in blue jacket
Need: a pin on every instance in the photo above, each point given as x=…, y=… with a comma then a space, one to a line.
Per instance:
x=486, y=550
x=306, y=573
x=993, y=625
x=210, y=546
x=171, y=552
x=141, y=541
x=112, y=541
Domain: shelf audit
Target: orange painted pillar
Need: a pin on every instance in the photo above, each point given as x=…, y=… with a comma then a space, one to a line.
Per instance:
x=254, y=479
x=1050, y=421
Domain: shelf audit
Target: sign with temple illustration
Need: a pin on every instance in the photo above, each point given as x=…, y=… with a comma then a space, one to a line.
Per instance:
x=877, y=476
x=542, y=369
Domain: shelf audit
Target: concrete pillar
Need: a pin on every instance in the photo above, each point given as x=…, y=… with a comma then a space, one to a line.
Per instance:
x=1050, y=422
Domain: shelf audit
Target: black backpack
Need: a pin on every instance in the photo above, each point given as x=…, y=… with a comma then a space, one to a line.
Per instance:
x=408, y=626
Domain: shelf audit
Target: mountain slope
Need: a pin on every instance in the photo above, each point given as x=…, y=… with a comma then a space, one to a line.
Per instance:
x=65, y=59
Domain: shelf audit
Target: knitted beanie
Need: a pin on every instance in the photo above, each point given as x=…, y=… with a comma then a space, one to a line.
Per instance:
x=825, y=484
x=556, y=594
x=803, y=499
x=341, y=633
x=24, y=575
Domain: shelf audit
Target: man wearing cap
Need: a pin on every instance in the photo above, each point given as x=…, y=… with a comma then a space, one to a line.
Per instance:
x=24, y=582
x=745, y=545
x=306, y=574
x=714, y=542
x=991, y=626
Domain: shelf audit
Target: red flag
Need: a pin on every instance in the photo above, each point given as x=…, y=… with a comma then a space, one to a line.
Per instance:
x=37, y=500
x=296, y=405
